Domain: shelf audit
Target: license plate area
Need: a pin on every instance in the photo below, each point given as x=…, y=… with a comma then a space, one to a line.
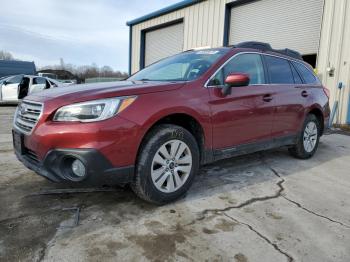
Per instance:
x=18, y=142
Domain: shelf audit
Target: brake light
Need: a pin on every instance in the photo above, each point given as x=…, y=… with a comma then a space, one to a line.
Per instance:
x=327, y=92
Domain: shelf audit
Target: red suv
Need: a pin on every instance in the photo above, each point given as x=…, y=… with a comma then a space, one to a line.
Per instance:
x=155, y=129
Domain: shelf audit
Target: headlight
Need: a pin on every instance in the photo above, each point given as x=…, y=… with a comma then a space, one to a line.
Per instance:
x=92, y=111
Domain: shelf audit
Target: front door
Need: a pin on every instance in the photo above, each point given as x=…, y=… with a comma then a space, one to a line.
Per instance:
x=9, y=89
x=245, y=116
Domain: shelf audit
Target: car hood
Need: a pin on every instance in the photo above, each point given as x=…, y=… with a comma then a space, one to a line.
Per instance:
x=85, y=92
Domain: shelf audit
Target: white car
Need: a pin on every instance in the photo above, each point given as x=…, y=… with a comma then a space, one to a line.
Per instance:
x=17, y=87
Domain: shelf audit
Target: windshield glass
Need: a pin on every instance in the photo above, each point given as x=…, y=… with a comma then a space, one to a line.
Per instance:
x=182, y=67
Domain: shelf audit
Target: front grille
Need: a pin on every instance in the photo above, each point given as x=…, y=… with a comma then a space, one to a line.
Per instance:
x=27, y=115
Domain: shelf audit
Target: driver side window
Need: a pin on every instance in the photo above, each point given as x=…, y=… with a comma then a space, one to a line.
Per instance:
x=14, y=80
x=250, y=64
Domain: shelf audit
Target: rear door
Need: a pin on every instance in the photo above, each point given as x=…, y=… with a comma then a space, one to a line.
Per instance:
x=38, y=84
x=244, y=116
x=289, y=102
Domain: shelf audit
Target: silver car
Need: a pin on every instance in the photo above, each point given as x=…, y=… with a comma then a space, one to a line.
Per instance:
x=17, y=87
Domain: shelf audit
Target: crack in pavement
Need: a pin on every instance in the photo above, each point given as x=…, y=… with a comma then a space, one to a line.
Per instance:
x=42, y=253
x=274, y=245
x=247, y=202
x=250, y=201
x=314, y=213
x=301, y=206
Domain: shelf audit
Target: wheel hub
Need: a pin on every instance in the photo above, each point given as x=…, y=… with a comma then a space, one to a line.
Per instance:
x=171, y=165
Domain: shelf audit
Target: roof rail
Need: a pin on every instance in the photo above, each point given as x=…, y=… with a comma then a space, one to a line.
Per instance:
x=255, y=45
x=267, y=47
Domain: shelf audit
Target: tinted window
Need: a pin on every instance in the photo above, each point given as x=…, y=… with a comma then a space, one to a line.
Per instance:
x=279, y=69
x=250, y=64
x=296, y=75
x=307, y=75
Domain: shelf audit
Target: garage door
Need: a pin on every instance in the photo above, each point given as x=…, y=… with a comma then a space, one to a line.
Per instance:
x=294, y=24
x=163, y=42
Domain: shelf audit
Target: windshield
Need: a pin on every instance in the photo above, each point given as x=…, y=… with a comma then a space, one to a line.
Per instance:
x=182, y=67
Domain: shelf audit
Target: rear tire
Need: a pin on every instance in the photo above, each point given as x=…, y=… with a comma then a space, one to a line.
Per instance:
x=166, y=165
x=308, y=139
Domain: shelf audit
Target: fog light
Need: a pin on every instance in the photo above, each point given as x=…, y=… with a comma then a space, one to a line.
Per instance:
x=78, y=168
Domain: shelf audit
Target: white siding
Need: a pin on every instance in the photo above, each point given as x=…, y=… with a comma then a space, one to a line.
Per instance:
x=334, y=53
x=163, y=42
x=294, y=24
x=203, y=26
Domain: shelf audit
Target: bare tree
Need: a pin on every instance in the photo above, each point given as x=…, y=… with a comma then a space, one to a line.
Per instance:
x=6, y=55
x=88, y=71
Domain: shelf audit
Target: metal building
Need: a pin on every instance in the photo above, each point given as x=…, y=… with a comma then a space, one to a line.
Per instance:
x=318, y=29
x=9, y=67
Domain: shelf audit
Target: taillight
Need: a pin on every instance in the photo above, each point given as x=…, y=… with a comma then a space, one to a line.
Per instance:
x=327, y=92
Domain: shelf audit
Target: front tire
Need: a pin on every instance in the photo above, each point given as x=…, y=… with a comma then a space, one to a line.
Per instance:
x=167, y=164
x=308, y=139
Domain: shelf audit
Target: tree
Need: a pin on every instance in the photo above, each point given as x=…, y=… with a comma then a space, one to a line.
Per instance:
x=87, y=71
x=6, y=55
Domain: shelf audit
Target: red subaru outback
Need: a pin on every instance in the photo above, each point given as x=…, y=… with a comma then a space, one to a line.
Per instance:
x=155, y=129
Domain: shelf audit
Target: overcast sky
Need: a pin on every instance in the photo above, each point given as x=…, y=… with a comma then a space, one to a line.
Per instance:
x=79, y=31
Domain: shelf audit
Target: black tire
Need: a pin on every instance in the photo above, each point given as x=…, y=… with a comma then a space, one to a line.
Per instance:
x=143, y=185
x=298, y=150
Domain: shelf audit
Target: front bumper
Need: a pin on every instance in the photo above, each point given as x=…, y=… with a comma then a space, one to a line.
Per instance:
x=99, y=171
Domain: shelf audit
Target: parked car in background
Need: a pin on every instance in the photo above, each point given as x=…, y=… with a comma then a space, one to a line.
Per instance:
x=155, y=129
x=13, y=67
x=17, y=87
x=48, y=75
x=68, y=82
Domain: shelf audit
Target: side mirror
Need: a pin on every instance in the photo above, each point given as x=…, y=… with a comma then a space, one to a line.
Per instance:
x=235, y=80
x=4, y=83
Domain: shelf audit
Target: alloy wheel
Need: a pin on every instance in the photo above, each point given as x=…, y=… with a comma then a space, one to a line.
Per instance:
x=171, y=166
x=310, y=136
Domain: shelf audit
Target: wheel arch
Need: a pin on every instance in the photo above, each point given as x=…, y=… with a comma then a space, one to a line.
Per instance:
x=186, y=121
x=317, y=111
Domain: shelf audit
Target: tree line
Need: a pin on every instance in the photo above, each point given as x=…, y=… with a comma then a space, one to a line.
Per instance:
x=80, y=72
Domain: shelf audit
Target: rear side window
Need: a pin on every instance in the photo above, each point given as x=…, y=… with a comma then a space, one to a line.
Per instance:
x=39, y=81
x=307, y=75
x=279, y=70
x=296, y=75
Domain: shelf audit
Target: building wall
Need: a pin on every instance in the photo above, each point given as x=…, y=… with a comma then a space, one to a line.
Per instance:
x=203, y=26
x=334, y=52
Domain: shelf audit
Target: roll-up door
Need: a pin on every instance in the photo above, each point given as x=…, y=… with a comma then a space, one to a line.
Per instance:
x=293, y=24
x=163, y=42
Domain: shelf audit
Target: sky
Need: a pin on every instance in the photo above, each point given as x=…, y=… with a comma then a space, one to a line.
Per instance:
x=82, y=32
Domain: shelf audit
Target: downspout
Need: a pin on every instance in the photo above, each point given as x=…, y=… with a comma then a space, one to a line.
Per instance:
x=130, y=48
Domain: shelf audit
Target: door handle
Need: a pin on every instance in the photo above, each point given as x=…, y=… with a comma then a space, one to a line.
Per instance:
x=304, y=93
x=267, y=98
